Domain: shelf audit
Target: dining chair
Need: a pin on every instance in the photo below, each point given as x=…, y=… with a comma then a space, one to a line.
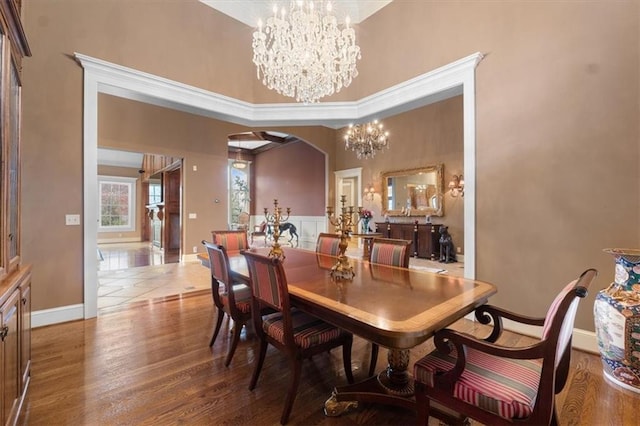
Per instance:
x=502, y=385
x=293, y=332
x=260, y=231
x=231, y=240
x=229, y=297
x=243, y=221
x=390, y=252
x=328, y=243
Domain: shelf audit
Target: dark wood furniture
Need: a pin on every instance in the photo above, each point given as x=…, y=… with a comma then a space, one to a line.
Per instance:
x=162, y=223
x=502, y=385
x=296, y=333
x=15, y=278
x=367, y=238
x=390, y=252
x=397, y=315
x=425, y=237
x=229, y=297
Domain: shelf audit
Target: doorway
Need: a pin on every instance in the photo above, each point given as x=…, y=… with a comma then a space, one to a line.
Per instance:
x=130, y=263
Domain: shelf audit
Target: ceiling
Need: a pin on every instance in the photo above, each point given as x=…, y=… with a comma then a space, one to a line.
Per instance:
x=250, y=11
x=113, y=157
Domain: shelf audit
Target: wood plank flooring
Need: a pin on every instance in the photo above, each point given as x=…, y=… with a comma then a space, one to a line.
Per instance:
x=149, y=364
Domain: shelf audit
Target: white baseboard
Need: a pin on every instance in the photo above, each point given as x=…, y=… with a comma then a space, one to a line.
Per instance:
x=57, y=315
x=582, y=339
x=119, y=240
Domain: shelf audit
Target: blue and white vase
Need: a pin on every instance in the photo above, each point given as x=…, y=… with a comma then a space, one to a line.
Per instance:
x=617, y=321
x=365, y=225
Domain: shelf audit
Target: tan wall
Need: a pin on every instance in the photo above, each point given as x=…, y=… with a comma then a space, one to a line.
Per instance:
x=557, y=121
x=423, y=137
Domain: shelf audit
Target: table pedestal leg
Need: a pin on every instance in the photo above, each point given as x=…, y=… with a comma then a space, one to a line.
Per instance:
x=392, y=386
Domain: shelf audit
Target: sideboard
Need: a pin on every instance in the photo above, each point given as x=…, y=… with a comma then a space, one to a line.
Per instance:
x=424, y=237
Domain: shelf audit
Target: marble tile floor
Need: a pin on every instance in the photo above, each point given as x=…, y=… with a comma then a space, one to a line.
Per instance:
x=138, y=283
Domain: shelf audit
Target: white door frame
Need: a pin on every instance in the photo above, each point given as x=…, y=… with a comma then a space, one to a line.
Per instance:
x=453, y=79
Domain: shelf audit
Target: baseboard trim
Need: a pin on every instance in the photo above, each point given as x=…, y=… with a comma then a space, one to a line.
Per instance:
x=583, y=340
x=57, y=315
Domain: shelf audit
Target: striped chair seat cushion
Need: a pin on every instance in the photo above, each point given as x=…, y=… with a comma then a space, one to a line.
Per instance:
x=308, y=330
x=506, y=387
x=388, y=254
x=242, y=295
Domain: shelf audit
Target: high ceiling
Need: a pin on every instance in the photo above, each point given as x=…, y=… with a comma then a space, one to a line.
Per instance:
x=250, y=11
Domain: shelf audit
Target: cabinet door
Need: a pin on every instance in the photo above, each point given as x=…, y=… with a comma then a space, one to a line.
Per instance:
x=9, y=312
x=25, y=332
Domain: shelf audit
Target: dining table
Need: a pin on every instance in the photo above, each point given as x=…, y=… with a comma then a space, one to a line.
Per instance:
x=397, y=308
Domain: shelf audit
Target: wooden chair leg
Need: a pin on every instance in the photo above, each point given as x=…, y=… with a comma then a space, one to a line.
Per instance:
x=258, y=367
x=237, y=329
x=296, y=368
x=374, y=359
x=422, y=406
x=218, y=325
x=346, y=359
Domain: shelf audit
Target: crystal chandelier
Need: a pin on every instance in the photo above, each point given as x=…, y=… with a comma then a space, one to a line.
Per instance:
x=304, y=54
x=366, y=139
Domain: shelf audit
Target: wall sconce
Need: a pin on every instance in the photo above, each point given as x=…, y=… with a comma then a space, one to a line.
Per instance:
x=456, y=186
x=369, y=192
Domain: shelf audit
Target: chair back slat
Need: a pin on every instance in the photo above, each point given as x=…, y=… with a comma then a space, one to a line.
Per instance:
x=231, y=240
x=328, y=244
x=268, y=282
x=388, y=251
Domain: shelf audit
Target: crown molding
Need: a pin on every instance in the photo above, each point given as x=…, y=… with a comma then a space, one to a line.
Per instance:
x=433, y=86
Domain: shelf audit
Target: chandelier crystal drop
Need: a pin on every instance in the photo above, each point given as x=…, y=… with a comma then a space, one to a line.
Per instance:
x=303, y=53
x=366, y=139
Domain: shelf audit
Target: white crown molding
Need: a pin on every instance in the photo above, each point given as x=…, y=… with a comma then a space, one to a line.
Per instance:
x=433, y=86
x=103, y=77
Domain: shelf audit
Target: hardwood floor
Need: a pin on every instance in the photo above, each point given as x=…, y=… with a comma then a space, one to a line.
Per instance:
x=149, y=363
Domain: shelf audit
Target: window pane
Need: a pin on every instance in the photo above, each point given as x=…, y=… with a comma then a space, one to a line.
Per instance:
x=117, y=204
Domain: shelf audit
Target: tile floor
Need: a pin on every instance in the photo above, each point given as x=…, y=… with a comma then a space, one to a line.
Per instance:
x=134, y=272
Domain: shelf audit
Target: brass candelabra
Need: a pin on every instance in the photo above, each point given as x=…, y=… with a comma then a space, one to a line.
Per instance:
x=274, y=219
x=344, y=223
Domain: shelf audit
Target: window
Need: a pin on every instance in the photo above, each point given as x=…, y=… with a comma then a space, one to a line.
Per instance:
x=117, y=204
x=238, y=192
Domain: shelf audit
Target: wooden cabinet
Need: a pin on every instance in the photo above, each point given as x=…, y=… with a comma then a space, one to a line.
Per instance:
x=425, y=237
x=15, y=278
x=15, y=343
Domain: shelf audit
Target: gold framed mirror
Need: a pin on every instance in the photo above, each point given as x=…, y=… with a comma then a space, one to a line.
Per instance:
x=413, y=192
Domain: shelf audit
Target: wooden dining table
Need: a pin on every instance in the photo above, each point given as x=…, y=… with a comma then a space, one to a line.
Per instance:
x=397, y=308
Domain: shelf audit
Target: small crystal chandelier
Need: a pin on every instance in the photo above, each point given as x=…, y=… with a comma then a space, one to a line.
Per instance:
x=366, y=139
x=304, y=54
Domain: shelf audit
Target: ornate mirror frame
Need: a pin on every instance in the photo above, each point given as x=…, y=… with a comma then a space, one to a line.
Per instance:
x=434, y=206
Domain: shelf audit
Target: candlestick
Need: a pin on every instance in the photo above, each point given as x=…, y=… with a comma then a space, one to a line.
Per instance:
x=274, y=219
x=344, y=223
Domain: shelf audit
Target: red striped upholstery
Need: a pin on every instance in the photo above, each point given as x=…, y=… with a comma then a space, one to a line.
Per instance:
x=385, y=253
x=328, y=244
x=503, y=386
x=265, y=284
x=231, y=240
x=308, y=330
x=242, y=295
